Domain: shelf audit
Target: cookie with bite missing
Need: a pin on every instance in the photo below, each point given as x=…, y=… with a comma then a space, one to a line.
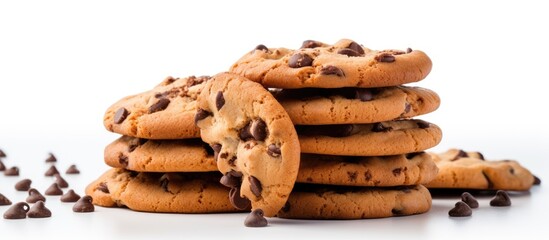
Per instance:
x=161, y=192
x=375, y=139
x=317, y=106
x=343, y=64
x=254, y=141
x=309, y=201
x=164, y=112
x=459, y=169
x=142, y=155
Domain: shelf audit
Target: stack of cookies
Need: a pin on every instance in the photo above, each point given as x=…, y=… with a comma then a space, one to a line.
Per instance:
x=361, y=151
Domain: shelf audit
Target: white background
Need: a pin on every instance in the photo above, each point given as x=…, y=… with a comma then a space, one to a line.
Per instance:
x=62, y=63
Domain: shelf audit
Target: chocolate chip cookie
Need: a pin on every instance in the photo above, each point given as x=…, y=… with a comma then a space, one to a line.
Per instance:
x=254, y=140
x=376, y=139
x=142, y=155
x=161, y=192
x=335, y=202
x=344, y=64
x=317, y=106
x=469, y=170
x=165, y=112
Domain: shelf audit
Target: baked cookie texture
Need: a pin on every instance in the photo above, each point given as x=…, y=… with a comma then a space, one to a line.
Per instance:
x=328, y=202
x=314, y=106
x=376, y=139
x=469, y=170
x=161, y=192
x=165, y=112
x=320, y=65
x=142, y=155
x=254, y=140
x=385, y=171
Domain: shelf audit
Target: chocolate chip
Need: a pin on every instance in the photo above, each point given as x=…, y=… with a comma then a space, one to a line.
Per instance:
x=273, y=151
x=51, y=158
x=244, y=133
x=120, y=115
x=352, y=176
x=123, y=160
x=217, y=148
x=501, y=199
x=364, y=94
x=61, y=181
x=339, y=130
x=256, y=219
x=469, y=200
x=286, y=207
x=201, y=114
x=232, y=161
x=385, y=57
x=512, y=170
x=23, y=185
x=72, y=170
x=422, y=124
x=259, y=130
x=2, y=154
x=488, y=180
x=461, y=209
x=332, y=70
x=310, y=44
x=397, y=212
x=378, y=127
x=407, y=108
x=103, y=187
x=84, y=205
x=409, y=50
x=255, y=186
x=13, y=171
x=164, y=182
x=160, y=105
x=397, y=171
x=356, y=47
x=39, y=210
x=261, y=47
x=70, y=196
x=51, y=171
x=460, y=154
x=2, y=166
x=231, y=179
x=4, y=201
x=35, y=196
x=135, y=142
x=349, y=52
x=413, y=155
x=219, y=100
x=537, y=180
x=54, y=190
x=299, y=60
x=480, y=156
x=17, y=211
x=237, y=201
x=224, y=155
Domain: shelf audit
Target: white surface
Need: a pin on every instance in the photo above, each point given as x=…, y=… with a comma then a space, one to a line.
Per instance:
x=62, y=63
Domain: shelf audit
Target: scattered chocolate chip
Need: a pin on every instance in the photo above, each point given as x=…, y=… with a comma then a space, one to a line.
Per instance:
x=231, y=179
x=480, y=156
x=332, y=70
x=123, y=160
x=349, y=52
x=488, y=180
x=84, y=204
x=352, y=176
x=61, y=181
x=261, y=47
x=51, y=171
x=120, y=115
x=2, y=166
x=54, y=190
x=201, y=114
x=339, y=130
x=217, y=148
x=259, y=130
x=255, y=186
x=219, y=100
x=501, y=199
x=256, y=219
x=397, y=212
x=17, y=211
x=378, y=127
x=460, y=210
x=422, y=124
x=2, y=154
x=310, y=44
x=13, y=171
x=160, y=105
x=537, y=180
x=469, y=200
x=237, y=201
x=385, y=57
x=232, y=161
x=512, y=170
x=23, y=185
x=409, y=50
x=407, y=108
x=103, y=187
x=286, y=207
x=364, y=94
x=244, y=133
x=35, y=196
x=397, y=171
x=72, y=170
x=70, y=196
x=51, y=158
x=273, y=151
x=299, y=60
x=460, y=154
x=413, y=155
x=164, y=182
x=39, y=210
x=135, y=142
x=356, y=47
x=4, y=201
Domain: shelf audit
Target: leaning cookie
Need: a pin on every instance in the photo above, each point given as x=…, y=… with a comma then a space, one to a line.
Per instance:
x=336, y=202
x=344, y=64
x=384, y=171
x=157, y=192
x=165, y=112
x=469, y=170
x=142, y=155
x=317, y=106
x=376, y=139
x=254, y=140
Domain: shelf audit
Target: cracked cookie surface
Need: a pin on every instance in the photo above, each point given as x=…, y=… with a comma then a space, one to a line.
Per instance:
x=344, y=64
